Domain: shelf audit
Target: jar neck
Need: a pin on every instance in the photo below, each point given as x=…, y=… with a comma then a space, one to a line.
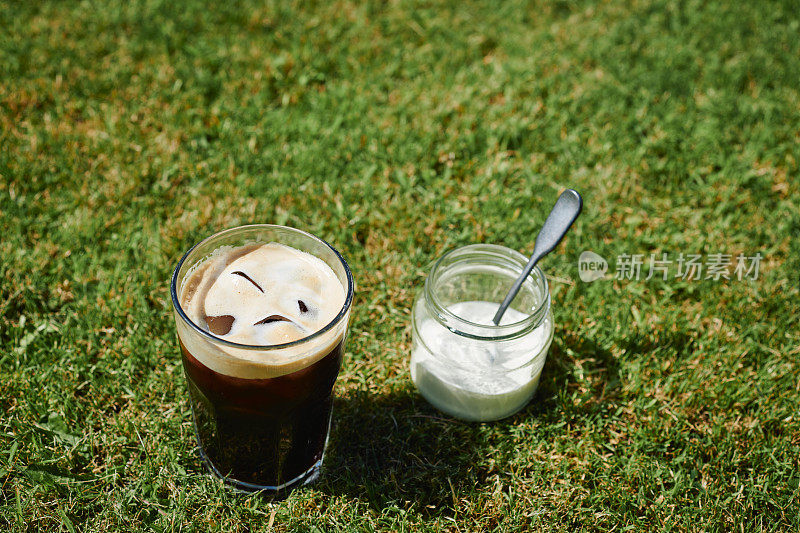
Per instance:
x=484, y=273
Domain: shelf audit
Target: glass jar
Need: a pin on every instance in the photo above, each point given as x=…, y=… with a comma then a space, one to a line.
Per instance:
x=460, y=361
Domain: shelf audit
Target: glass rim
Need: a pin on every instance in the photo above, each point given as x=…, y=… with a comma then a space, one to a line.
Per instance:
x=350, y=290
x=494, y=333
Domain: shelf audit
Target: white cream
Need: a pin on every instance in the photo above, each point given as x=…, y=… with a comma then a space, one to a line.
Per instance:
x=266, y=295
x=478, y=379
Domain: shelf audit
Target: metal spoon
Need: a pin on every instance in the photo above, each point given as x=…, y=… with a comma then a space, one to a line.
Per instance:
x=567, y=208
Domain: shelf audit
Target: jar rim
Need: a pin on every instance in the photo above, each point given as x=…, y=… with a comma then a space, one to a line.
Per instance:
x=457, y=324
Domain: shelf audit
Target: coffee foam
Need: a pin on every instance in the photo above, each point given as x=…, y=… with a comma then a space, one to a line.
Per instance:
x=274, y=294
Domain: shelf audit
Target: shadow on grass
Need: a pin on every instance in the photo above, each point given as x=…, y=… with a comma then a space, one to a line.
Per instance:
x=596, y=362
x=396, y=449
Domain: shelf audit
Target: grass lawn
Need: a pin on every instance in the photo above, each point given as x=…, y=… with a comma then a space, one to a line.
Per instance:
x=397, y=131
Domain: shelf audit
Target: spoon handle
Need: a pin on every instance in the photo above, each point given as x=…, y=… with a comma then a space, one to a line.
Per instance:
x=567, y=208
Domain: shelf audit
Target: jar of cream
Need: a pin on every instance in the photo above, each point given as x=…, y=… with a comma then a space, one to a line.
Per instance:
x=460, y=361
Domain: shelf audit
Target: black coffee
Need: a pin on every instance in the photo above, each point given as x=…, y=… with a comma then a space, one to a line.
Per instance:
x=263, y=432
x=261, y=331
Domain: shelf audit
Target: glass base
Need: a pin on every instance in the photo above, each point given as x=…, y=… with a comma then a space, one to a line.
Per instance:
x=307, y=477
x=277, y=491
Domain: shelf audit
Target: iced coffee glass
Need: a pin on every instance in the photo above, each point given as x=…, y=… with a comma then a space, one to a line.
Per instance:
x=261, y=388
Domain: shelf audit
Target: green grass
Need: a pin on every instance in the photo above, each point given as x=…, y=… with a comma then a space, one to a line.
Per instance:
x=396, y=131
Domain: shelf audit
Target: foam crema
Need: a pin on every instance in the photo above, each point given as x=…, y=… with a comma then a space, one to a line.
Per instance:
x=260, y=295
